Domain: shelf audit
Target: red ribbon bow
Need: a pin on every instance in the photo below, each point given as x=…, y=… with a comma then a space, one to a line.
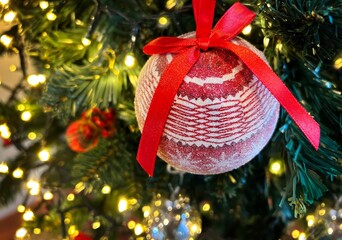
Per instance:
x=188, y=51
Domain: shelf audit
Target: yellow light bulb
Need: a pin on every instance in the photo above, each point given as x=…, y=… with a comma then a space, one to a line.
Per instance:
x=302, y=236
x=28, y=215
x=247, y=30
x=9, y=16
x=170, y=4
x=131, y=224
x=21, y=107
x=18, y=173
x=71, y=197
x=26, y=116
x=266, y=42
x=138, y=229
x=86, y=41
x=37, y=231
x=32, y=135
x=106, y=189
x=41, y=78
x=4, y=131
x=338, y=63
x=276, y=166
x=21, y=208
x=48, y=195
x=295, y=234
x=206, y=207
x=51, y=16
x=43, y=5
x=12, y=68
x=330, y=231
x=163, y=21
x=33, y=80
x=79, y=187
x=3, y=168
x=72, y=230
x=44, y=155
x=321, y=212
x=21, y=233
x=96, y=225
x=6, y=40
x=130, y=60
x=122, y=206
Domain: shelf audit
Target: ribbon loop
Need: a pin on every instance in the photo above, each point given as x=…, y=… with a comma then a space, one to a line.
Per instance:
x=188, y=50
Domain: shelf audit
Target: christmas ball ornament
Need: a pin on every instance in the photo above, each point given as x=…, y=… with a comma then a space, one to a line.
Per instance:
x=222, y=116
x=82, y=135
x=171, y=219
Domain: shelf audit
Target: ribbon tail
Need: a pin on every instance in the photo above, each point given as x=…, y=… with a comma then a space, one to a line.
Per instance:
x=273, y=83
x=161, y=103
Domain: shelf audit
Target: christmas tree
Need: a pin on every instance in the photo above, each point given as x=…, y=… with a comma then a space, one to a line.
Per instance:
x=72, y=119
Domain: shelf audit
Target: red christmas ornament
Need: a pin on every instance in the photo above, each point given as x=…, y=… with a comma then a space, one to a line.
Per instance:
x=221, y=117
x=82, y=135
x=82, y=236
x=6, y=142
x=203, y=114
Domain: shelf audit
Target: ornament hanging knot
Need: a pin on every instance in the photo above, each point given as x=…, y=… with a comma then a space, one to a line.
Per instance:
x=203, y=43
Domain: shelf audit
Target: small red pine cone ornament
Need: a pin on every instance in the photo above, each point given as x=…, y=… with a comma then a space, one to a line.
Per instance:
x=82, y=135
x=221, y=117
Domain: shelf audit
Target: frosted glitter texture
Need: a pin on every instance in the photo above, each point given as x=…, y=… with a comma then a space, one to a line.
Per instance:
x=221, y=117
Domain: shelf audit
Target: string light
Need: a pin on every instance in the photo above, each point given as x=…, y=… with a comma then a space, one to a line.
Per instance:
x=338, y=63
x=86, y=41
x=170, y=4
x=321, y=212
x=73, y=230
x=163, y=22
x=130, y=60
x=37, y=231
x=9, y=16
x=18, y=173
x=44, y=155
x=311, y=220
x=12, y=68
x=330, y=231
x=71, y=197
x=6, y=40
x=295, y=234
x=32, y=135
x=48, y=195
x=35, y=79
x=21, y=208
x=34, y=187
x=21, y=233
x=3, y=168
x=302, y=236
x=26, y=116
x=79, y=187
x=247, y=30
x=28, y=215
x=106, y=189
x=96, y=225
x=131, y=224
x=21, y=107
x=206, y=207
x=138, y=229
x=276, y=166
x=5, y=133
x=146, y=210
x=51, y=16
x=43, y=5
x=123, y=205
